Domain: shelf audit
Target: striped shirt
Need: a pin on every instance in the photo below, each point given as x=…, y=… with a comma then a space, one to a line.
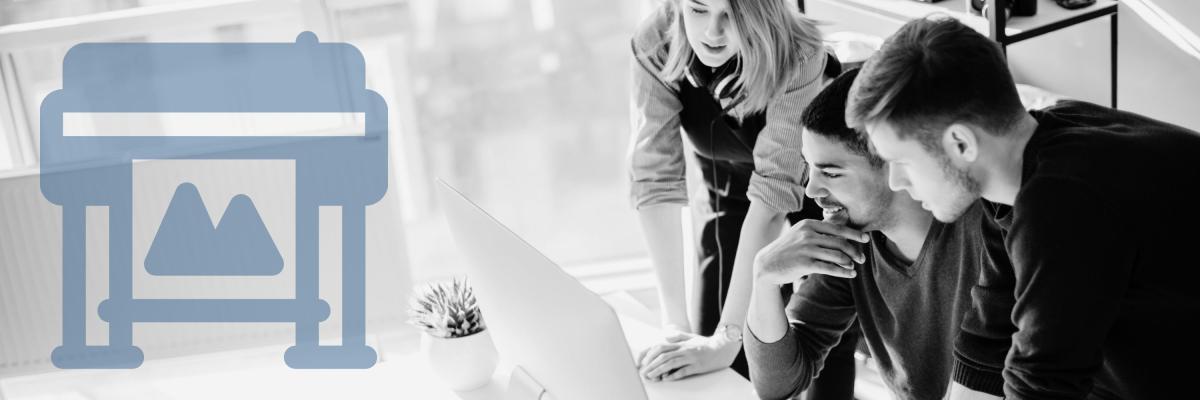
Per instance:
x=656, y=152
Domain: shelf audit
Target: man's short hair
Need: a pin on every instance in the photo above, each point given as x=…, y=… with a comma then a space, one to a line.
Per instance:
x=826, y=116
x=931, y=73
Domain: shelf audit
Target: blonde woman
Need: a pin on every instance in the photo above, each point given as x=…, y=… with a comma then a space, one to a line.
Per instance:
x=734, y=76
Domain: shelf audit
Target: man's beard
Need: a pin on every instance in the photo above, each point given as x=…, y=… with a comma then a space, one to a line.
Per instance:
x=966, y=189
x=874, y=212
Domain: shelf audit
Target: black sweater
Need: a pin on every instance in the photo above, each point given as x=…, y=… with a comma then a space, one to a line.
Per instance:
x=1100, y=296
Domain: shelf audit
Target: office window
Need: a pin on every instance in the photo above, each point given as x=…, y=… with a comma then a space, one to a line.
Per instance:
x=522, y=104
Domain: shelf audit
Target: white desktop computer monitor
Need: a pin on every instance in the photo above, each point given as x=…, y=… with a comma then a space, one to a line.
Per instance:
x=542, y=319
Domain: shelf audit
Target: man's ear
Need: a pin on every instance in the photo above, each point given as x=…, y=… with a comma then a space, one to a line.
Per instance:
x=961, y=142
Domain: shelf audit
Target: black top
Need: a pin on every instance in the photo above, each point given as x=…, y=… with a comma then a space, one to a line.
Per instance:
x=1100, y=294
x=724, y=145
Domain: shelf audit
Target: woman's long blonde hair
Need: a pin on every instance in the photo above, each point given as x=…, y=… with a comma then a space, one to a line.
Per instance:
x=775, y=39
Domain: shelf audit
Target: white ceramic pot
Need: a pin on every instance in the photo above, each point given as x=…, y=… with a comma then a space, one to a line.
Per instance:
x=463, y=363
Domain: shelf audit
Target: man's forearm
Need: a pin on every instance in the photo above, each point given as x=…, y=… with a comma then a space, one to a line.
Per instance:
x=767, y=319
x=664, y=239
x=778, y=369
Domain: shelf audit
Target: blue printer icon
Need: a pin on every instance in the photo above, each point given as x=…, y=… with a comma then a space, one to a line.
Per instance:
x=81, y=171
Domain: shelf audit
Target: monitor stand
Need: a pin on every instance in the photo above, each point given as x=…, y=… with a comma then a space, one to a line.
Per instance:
x=522, y=386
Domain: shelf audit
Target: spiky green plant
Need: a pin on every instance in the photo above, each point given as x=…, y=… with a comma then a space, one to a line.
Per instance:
x=447, y=310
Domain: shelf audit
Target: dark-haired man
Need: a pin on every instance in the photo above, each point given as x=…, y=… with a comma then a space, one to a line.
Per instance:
x=908, y=285
x=1099, y=299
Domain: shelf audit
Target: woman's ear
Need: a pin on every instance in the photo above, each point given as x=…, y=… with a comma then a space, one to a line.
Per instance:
x=961, y=142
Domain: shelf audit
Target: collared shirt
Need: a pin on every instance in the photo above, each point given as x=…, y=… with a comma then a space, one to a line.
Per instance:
x=656, y=152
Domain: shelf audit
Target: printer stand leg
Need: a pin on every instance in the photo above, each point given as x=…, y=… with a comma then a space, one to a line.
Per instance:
x=354, y=279
x=353, y=353
x=74, y=353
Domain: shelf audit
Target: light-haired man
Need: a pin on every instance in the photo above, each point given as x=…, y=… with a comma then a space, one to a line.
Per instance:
x=1099, y=299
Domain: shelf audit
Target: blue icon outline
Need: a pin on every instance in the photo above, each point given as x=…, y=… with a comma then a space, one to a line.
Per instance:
x=85, y=171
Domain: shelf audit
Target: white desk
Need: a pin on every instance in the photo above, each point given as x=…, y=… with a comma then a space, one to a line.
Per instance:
x=260, y=374
x=640, y=331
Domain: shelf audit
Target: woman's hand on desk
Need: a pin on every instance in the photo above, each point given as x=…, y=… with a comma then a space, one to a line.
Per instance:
x=687, y=354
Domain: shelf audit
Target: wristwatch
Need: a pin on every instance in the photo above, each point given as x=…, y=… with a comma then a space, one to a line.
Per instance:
x=731, y=331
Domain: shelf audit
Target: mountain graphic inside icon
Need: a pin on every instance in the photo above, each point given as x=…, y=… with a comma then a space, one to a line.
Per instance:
x=187, y=244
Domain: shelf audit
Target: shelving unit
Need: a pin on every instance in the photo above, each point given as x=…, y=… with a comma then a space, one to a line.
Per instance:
x=881, y=17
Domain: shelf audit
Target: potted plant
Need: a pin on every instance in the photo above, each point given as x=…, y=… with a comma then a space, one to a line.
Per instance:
x=454, y=338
